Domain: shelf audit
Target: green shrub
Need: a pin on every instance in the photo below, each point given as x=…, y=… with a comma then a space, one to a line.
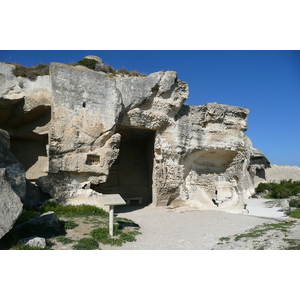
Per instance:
x=26, y=215
x=101, y=235
x=294, y=213
x=70, y=225
x=106, y=69
x=86, y=244
x=64, y=240
x=89, y=63
x=82, y=210
x=294, y=202
x=284, y=189
x=31, y=72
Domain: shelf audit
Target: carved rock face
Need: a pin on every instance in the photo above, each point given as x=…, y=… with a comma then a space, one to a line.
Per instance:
x=134, y=136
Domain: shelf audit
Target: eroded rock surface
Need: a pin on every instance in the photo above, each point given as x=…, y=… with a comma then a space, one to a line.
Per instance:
x=12, y=186
x=132, y=136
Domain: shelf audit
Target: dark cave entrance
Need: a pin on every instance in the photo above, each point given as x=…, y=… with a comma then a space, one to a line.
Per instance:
x=131, y=174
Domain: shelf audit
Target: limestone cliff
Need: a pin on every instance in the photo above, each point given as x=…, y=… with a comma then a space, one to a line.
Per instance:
x=132, y=136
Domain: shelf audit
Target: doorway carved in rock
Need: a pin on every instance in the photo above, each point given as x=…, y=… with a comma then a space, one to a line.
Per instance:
x=131, y=174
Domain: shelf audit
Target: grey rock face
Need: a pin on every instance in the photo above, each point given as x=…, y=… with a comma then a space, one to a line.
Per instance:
x=10, y=207
x=12, y=186
x=12, y=171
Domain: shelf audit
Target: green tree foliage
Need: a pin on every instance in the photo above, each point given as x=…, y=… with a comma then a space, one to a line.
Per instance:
x=284, y=189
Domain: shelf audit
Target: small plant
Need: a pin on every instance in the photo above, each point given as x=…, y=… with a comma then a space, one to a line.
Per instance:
x=70, y=225
x=89, y=63
x=64, y=240
x=262, y=229
x=26, y=215
x=294, y=213
x=86, y=244
x=294, y=202
x=225, y=239
x=101, y=234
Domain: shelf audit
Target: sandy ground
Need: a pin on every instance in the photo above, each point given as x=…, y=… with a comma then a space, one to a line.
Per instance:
x=167, y=229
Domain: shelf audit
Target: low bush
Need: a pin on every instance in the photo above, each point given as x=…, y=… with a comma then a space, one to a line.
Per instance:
x=82, y=210
x=284, y=189
x=101, y=234
x=89, y=63
x=64, y=240
x=32, y=72
x=26, y=215
x=86, y=244
x=70, y=225
x=123, y=71
x=295, y=202
x=294, y=213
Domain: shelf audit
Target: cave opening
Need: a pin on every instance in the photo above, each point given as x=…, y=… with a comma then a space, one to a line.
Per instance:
x=131, y=174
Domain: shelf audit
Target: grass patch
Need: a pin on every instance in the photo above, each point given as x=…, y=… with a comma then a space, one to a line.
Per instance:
x=224, y=239
x=70, y=211
x=294, y=244
x=86, y=244
x=26, y=247
x=262, y=229
x=70, y=224
x=294, y=213
x=64, y=240
x=26, y=215
x=101, y=234
x=284, y=189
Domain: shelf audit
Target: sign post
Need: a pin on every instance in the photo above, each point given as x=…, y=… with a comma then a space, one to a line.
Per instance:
x=111, y=200
x=111, y=220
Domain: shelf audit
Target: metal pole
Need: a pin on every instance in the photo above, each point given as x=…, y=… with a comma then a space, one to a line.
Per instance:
x=111, y=220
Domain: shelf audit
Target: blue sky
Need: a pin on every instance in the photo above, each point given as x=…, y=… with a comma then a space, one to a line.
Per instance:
x=266, y=82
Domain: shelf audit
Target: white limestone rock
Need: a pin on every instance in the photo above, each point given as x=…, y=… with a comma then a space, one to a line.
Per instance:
x=34, y=241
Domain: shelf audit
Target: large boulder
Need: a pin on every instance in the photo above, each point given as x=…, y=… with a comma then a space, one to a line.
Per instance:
x=12, y=171
x=12, y=186
x=10, y=207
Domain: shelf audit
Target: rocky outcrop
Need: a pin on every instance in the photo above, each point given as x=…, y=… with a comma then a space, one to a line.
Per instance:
x=278, y=173
x=25, y=113
x=10, y=207
x=12, y=186
x=11, y=170
x=133, y=136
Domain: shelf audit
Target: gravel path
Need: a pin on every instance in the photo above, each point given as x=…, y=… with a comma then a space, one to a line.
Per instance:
x=168, y=229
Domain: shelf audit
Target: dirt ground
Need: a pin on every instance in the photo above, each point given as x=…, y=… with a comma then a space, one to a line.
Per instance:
x=171, y=229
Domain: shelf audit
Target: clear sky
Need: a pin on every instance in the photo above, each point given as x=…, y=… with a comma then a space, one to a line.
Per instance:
x=266, y=82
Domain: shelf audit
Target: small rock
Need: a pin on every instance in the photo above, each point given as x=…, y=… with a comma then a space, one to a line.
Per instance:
x=34, y=241
x=96, y=58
